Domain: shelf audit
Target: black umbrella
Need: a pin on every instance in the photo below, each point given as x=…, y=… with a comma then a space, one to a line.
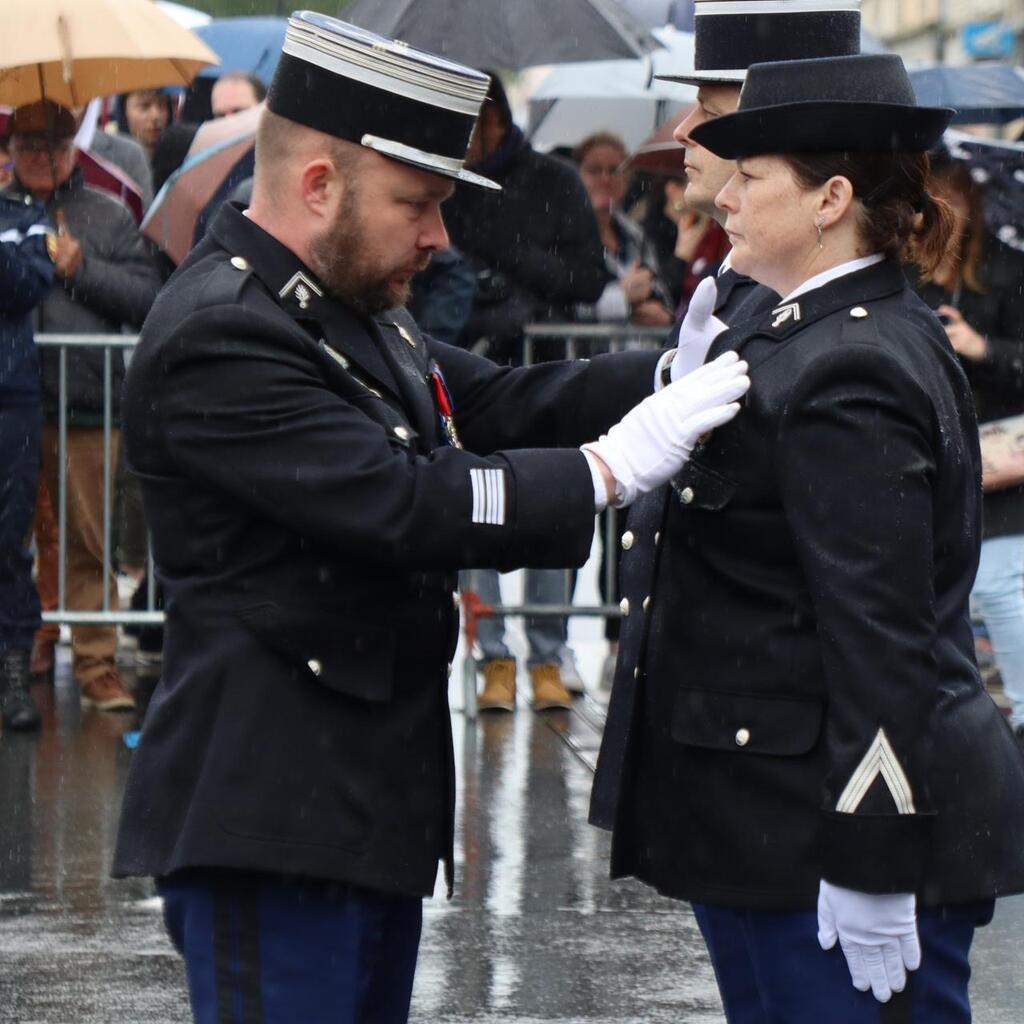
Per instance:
x=504, y=34
x=999, y=166
x=989, y=93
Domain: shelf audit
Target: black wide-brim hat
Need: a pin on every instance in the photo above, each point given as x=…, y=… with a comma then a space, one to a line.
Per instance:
x=861, y=104
x=406, y=104
x=730, y=35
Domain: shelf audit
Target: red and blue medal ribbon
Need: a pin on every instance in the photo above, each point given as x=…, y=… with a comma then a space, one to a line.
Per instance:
x=445, y=408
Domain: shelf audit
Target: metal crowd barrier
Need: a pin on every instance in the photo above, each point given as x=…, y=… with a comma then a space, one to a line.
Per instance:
x=577, y=341
x=111, y=344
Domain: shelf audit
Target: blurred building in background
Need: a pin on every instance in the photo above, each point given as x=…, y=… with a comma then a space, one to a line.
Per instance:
x=954, y=31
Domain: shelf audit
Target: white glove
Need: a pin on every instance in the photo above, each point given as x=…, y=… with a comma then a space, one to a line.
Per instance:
x=699, y=328
x=878, y=936
x=653, y=440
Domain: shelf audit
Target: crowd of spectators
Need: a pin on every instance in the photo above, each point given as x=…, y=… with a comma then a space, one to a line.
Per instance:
x=580, y=236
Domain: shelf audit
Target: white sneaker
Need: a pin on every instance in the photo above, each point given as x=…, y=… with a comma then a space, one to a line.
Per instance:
x=571, y=678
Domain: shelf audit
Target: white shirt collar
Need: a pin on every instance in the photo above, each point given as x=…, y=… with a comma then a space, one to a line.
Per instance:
x=726, y=263
x=849, y=267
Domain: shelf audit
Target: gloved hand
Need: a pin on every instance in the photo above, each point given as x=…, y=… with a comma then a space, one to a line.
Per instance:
x=878, y=936
x=699, y=328
x=653, y=440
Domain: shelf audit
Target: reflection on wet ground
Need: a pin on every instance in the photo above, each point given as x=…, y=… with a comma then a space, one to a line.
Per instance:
x=536, y=932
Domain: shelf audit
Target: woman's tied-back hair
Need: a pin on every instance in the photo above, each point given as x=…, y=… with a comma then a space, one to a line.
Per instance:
x=897, y=216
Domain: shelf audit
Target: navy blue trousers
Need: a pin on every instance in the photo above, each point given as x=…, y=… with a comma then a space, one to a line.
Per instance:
x=264, y=949
x=19, y=484
x=771, y=970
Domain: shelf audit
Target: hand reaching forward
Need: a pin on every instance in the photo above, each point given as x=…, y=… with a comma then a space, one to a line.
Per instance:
x=654, y=439
x=877, y=934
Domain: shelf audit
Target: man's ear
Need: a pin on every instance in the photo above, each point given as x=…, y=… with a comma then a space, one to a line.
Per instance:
x=835, y=199
x=321, y=187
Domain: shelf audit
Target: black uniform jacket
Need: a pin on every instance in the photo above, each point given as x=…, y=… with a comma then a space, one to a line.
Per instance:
x=796, y=695
x=308, y=517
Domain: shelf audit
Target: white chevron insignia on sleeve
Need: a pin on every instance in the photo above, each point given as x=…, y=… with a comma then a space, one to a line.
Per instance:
x=488, y=496
x=879, y=760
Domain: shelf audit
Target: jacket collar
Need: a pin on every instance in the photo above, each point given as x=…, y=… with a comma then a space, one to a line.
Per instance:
x=302, y=294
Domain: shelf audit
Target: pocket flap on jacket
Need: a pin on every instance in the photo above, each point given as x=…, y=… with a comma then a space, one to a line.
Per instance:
x=697, y=487
x=776, y=724
x=350, y=655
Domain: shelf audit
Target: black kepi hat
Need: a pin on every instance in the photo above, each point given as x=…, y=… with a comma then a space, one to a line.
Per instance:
x=861, y=104
x=404, y=103
x=730, y=35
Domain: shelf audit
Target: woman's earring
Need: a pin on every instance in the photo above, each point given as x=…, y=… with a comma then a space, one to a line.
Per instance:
x=821, y=242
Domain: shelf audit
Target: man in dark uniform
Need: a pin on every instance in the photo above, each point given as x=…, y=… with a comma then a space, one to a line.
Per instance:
x=300, y=447
x=26, y=273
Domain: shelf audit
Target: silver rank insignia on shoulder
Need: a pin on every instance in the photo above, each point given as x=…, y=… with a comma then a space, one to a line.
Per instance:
x=791, y=310
x=302, y=288
x=405, y=334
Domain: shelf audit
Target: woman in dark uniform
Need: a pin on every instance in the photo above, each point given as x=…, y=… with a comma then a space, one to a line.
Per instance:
x=798, y=741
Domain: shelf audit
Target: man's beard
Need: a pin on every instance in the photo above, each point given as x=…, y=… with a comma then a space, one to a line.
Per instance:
x=339, y=258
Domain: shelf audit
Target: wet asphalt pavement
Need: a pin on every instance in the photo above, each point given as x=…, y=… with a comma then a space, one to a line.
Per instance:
x=536, y=932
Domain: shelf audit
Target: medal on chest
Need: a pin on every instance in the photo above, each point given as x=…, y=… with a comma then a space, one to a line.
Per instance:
x=445, y=409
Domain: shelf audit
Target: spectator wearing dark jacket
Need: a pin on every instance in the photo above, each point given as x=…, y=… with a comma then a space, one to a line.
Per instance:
x=535, y=243
x=537, y=254
x=26, y=272
x=105, y=281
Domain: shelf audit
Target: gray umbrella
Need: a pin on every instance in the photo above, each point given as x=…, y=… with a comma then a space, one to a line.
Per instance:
x=500, y=34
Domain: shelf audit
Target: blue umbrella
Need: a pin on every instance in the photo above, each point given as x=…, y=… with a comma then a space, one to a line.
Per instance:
x=989, y=93
x=244, y=44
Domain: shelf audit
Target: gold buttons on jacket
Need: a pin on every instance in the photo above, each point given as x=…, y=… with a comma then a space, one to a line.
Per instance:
x=647, y=602
x=686, y=495
x=314, y=666
x=858, y=312
x=402, y=432
x=239, y=263
x=624, y=606
x=742, y=737
x=627, y=540
x=657, y=537
x=636, y=673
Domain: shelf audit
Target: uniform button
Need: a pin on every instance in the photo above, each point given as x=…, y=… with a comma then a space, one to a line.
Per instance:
x=657, y=537
x=402, y=432
x=627, y=540
x=647, y=602
x=742, y=737
x=686, y=495
x=239, y=263
x=314, y=666
x=624, y=606
x=636, y=673
x=858, y=312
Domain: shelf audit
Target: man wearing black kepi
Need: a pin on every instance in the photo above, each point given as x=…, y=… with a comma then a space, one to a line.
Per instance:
x=308, y=469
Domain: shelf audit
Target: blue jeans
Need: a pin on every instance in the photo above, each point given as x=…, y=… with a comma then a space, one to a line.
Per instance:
x=998, y=597
x=546, y=636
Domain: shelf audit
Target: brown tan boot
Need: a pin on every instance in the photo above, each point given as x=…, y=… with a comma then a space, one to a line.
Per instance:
x=548, y=689
x=499, y=692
